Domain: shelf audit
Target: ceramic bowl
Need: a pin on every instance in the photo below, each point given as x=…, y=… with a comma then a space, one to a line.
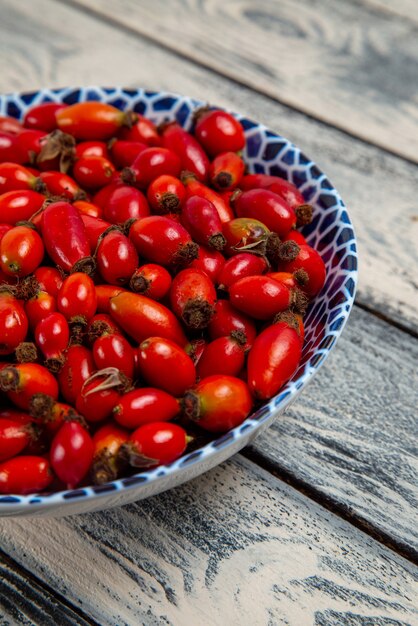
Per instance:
x=330, y=232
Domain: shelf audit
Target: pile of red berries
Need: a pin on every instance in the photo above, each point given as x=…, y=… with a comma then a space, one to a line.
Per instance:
x=150, y=290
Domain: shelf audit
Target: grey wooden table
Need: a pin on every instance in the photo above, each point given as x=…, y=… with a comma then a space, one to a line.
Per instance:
x=316, y=522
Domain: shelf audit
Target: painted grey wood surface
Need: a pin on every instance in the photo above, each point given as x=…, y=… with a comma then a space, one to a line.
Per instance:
x=235, y=546
x=69, y=47
x=23, y=600
x=352, y=435
x=238, y=546
x=407, y=9
x=333, y=60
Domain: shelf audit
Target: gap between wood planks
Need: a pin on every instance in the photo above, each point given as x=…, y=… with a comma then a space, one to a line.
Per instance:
x=319, y=498
x=35, y=582
x=233, y=79
x=386, y=319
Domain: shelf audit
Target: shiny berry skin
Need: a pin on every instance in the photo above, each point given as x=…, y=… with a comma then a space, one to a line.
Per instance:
x=104, y=294
x=14, y=177
x=9, y=148
x=124, y=203
x=166, y=194
x=155, y=444
x=209, y=261
x=39, y=307
x=161, y=240
x=193, y=158
x=150, y=164
x=78, y=367
x=10, y=125
x=102, y=196
x=226, y=319
x=239, y=266
x=292, y=281
x=273, y=359
x=143, y=130
x=107, y=441
x=59, y=184
x=43, y=116
x=218, y=131
x=92, y=172
x=91, y=120
x=87, y=208
x=13, y=324
x=195, y=187
x=218, y=403
x=309, y=260
x=113, y=350
x=151, y=280
x=226, y=171
x=23, y=380
x=140, y=317
x=77, y=297
x=124, y=153
x=268, y=207
x=280, y=186
x=4, y=228
x=71, y=453
x=295, y=235
x=202, y=220
x=144, y=406
x=16, y=206
x=21, y=251
x=29, y=144
x=225, y=355
x=165, y=365
x=14, y=437
x=49, y=279
x=260, y=297
x=25, y=474
x=93, y=228
x=52, y=336
x=192, y=298
x=117, y=258
x=92, y=148
x=242, y=232
x=96, y=399
x=65, y=238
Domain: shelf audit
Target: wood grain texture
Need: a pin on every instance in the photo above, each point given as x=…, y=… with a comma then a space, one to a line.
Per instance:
x=235, y=546
x=68, y=47
x=408, y=9
x=387, y=238
x=24, y=601
x=305, y=54
x=352, y=435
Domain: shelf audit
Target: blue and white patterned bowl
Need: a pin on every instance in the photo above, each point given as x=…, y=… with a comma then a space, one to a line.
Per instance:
x=330, y=232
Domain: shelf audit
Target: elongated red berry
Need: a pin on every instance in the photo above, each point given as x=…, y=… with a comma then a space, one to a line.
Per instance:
x=202, y=220
x=273, y=359
x=193, y=297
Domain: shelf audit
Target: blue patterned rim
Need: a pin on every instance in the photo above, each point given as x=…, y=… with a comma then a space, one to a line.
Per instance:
x=330, y=232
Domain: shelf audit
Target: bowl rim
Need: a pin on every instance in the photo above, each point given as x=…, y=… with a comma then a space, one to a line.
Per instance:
x=253, y=423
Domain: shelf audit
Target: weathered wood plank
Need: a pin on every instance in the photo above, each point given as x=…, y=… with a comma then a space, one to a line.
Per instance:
x=379, y=189
x=352, y=435
x=24, y=601
x=407, y=9
x=235, y=546
x=349, y=64
x=386, y=233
